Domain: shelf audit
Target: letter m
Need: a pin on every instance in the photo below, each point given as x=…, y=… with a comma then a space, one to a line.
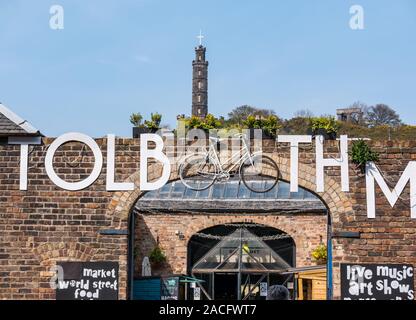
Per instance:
x=373, y=174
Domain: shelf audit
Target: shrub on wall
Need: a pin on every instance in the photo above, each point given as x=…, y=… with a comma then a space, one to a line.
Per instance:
x=361, y=153
x=326, y=126
x=157, y=256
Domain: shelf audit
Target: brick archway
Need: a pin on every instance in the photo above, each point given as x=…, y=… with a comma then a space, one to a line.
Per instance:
x=303, y=241
x=338, y=203
x=49, y=253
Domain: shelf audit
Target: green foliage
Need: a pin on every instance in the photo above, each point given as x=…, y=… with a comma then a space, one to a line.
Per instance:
x=136, y=119
x=269, y=124
x=157, y=256
x=297, y=125
x=156, y=118
x=252, y=122
x=384, y=124
x=193, y=122
x=240, y=114
x=154, y=123
x=361, y=153
x=319, y=254
x=329, y=124
x=382, y=114
x=210, y=122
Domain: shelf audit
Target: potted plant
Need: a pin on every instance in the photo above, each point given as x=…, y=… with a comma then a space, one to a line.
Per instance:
x=149, y=126
x=271, y=125
x=138, y=127
x=361, y=153
x=268, y=125
x=319, y=254
x=206, y=124
x=157, y=257
x=154, y=123
x=325, y=126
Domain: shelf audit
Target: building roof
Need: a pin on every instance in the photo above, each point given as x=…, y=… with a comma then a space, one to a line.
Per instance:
x=232, y=196
x=12, y=125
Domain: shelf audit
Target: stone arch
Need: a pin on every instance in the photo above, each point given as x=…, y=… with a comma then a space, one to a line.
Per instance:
x=303, y=242
x=271, y=222
x=62, y=250
x=338, y=203
x=216, y=221
x=49, y=253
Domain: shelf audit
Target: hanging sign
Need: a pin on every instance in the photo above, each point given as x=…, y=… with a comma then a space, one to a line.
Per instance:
x=377, y=282
x=170, y=288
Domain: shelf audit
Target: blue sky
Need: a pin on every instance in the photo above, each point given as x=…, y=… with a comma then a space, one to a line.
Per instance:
x=115, y=57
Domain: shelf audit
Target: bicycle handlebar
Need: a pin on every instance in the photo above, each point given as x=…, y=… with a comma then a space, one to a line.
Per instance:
x=238, y=135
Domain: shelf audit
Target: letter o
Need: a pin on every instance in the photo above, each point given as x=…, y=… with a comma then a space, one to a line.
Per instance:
x=78, y=137
x=394, y=284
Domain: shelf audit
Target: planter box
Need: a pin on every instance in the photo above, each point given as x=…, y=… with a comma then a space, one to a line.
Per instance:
x=137, y=131
x=264, y=135
x=322, y=132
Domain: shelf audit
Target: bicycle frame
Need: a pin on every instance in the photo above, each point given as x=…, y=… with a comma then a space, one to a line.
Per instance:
x=236, y=159
x=223, y=169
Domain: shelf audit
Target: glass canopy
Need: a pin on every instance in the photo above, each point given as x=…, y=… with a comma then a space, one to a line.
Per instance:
x=241, y=252
x=229, y=190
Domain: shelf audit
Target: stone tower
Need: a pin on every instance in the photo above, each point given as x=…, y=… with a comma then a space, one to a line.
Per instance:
x=200, y=83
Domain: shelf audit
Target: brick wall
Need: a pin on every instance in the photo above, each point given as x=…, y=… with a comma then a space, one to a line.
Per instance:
x=45, y=224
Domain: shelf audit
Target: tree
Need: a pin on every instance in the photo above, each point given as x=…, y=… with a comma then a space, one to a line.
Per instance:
x=240, y=114
x=358, y=118
x=382, y=114
x=304, y=113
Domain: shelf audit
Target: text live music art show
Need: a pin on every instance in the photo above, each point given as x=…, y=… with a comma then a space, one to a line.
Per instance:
x=121, y=180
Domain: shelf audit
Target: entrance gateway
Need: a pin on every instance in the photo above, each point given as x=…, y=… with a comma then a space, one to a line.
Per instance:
x=242, y=265
x=261, y=240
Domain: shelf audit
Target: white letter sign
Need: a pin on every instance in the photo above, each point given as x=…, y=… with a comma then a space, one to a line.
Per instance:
x=24, y=143
x=294, y=157
x=342, y=162
x=79, y=137
x=111, y=154
x=372, y=174
x=157, y=154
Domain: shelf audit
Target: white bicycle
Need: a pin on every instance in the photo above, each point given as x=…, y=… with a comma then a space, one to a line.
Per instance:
x=258, y=172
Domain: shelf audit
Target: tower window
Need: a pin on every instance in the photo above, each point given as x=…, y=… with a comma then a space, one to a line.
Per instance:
x=199, y=57
x=199, y=72
x=200, y=85
x=199, y=98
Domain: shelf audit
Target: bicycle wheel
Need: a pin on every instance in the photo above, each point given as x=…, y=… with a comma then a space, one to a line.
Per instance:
x=198, y=172
x=260, y=176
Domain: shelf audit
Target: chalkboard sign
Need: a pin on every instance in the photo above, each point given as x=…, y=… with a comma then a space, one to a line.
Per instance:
x=88, y=281
x=170, y=288
x=377, y=282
